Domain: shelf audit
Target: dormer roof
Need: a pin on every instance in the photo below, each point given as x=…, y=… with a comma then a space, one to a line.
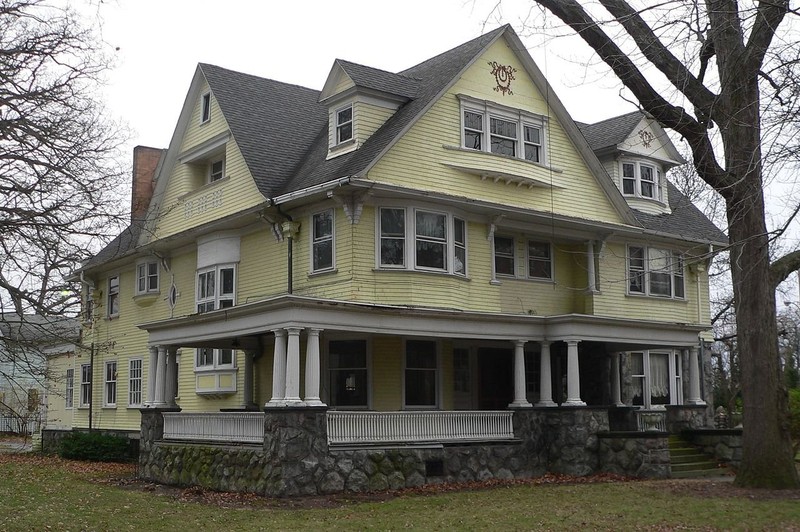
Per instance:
x=369, y=78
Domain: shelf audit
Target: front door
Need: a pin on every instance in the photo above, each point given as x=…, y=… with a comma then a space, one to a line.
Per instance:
x=495, y=378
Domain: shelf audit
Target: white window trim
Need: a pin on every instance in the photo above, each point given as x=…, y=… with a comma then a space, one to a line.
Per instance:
x=85, y=384
x=521, y=117
x=217, y=286
x=215, y=361
x=106, y=382
x=646, y=283
x=513, y=256
x=336, y=140
x=410, y=240
x=69, y=389
x=675, y=390
x=659, y=194
x=146, y=277
x=205, y=107
x=109, y=313
x=438, y=376
x=315, y=241
x=209, y=169
x=133, y=404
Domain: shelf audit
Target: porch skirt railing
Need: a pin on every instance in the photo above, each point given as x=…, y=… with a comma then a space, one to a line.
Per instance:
x=416, y=427
x=651, y=420
x=235, y=427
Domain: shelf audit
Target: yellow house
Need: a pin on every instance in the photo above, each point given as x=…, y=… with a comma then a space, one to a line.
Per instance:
x=430, y=257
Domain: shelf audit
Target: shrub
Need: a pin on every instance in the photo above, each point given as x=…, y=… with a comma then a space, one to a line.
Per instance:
x=95, y=447
x=794, y=418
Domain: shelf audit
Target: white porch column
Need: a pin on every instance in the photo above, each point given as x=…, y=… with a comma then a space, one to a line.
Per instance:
x=591, y=285
x=312, y=369
x=520, y=393
x=545, y=379
x=171, y=385
x=292, y=397
x=247, y=392
x=161, y=377
x=694, y=377
x=151, y=376
x=616, y=385
x=278, y=369
x=573, y=375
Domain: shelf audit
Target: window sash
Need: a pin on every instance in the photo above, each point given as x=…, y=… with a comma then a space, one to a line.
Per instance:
x=135, y=382
x=431, y=240
x=503, y=136
x=216, y=170
x=322, y=241
x=113, y=295
x=421, y=374
x=110, y=384
x=459, y=246
x=540, y=260
x=504, y=255
x=147, y=277
x=69, y=388
x=86, y=384
x=205, y=115
x=348, y=373
x=393, y=237
x=216, y=288
x=344, y=124
x=532, y=143
x=655, y=272
x=514, y=135
x=473, y=130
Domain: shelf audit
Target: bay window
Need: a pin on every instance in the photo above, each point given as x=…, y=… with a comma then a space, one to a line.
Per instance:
x=655, y=378
x=437, y=240
x=655, y=272
x=643, y=180
x=146, y=277
x=215, y=288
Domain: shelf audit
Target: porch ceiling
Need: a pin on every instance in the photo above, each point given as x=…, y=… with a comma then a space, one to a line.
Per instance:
x=241, y=326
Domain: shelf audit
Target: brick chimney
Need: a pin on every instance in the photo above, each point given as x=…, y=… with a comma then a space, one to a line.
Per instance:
x=145, y=162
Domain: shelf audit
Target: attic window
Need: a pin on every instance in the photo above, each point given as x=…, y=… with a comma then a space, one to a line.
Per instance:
x=344, y=124
x=206, y=111
x=216, y=170
x=642, y=180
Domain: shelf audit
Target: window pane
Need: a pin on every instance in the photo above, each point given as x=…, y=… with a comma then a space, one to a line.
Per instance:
x=503, y=128
x=430, y=224
x=393, y=252
x=393, y=222
x=346, y=354
x=420, y=373
x=323, y=255
x=226, y=281
x=628, y=170
x=539, y=261
x=532, y=135
x=323, y=224
x=460, y=260
x=473, y=120
x=431, y=255
x=459, y=230
x=504, y=255
x=659, y=379
x=628, y=186
x=503, y=146
x=225, y=357
x=532, y=153
x=660, y=284
x=472, y=140
x=348, y=373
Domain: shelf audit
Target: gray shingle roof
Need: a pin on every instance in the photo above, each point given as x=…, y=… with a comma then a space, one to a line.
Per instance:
x=685, y=220
x=380, y=80
x=610, y=132
x=122, y=244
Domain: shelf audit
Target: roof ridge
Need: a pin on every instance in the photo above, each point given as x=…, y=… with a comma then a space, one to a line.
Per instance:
x=255, y=76
x=378, y=69
x=490, y=35
x=617, y=117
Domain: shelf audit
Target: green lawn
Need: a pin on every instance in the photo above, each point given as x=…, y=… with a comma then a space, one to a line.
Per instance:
x=51, y=494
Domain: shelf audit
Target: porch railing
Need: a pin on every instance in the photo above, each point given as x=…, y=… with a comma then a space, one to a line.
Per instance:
x=655, y=420
x=235, y=427
x=415, y=427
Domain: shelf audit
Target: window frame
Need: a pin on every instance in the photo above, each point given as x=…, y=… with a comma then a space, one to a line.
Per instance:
x=217, y=298
x=110, y=384
x=638, y=182
x=437, y=375
x=496, y=254
x=144, y=276
x=456, y=252
x=489, y=111
x=321, y=240
x=674, y=378
x=215, y=359
x=205, y=107
x=86, y=386
x=212, y=175
x=113, y=296
x=135, y=382
x=529, y=259
x=644, y=271
x=367, y=369
x=341, y=125
x=69, y=389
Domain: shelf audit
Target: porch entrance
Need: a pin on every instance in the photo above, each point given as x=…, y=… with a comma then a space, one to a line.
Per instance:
x=495, y=378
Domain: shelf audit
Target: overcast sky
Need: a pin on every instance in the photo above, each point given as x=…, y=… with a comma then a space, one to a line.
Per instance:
x=161, y=41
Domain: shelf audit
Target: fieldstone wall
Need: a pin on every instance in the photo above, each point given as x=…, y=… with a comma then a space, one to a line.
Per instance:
x=686, y=417
x=571, y=438
x=641, y=454
x=51, y=439
x=724, y=444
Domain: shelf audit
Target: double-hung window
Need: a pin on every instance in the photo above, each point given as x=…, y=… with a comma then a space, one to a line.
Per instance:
x=113, y=296
x=504, y=255
x=322, y=249
x=135, y=382
x=540, y=260
x=641, y=180
x=69, y=389
x=510, y=132
x=655, y=272
x=216, y=170
x=146, y=277
x=86, y=384
x=110, y=387
x=347, y=372
x=421, y=374
x=216, y=287
x=344, y=124
x=655, y=378
x=437, y=241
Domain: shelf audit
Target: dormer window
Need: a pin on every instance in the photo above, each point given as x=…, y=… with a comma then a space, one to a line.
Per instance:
x=344, y=124
x=205, y=114
x=642, y=180
x=216, y=170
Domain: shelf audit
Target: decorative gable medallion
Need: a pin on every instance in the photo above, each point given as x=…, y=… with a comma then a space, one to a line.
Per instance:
x=503, y=76
x=647, y=137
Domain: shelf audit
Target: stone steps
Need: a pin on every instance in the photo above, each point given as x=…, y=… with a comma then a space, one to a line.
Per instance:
x=687, y=461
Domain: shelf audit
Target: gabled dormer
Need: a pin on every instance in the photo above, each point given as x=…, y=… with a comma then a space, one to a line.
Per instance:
x=637, y=154
x=360, y=100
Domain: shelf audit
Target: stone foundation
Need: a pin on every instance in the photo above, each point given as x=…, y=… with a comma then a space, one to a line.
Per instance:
x=724, y=444
x=641, y=454
x=686, y=417
x=51, y=439
x=295, y=458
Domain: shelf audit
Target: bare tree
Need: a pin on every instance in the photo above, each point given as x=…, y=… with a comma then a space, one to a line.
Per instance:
x=731, y=68
x=60, y=181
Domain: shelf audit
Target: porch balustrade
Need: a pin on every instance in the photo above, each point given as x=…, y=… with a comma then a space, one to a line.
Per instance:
x=416, y=427
x=655, y=420
x=234, y=427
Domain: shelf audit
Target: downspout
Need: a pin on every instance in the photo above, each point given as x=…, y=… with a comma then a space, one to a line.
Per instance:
x=289, y=241
x=91, y=385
